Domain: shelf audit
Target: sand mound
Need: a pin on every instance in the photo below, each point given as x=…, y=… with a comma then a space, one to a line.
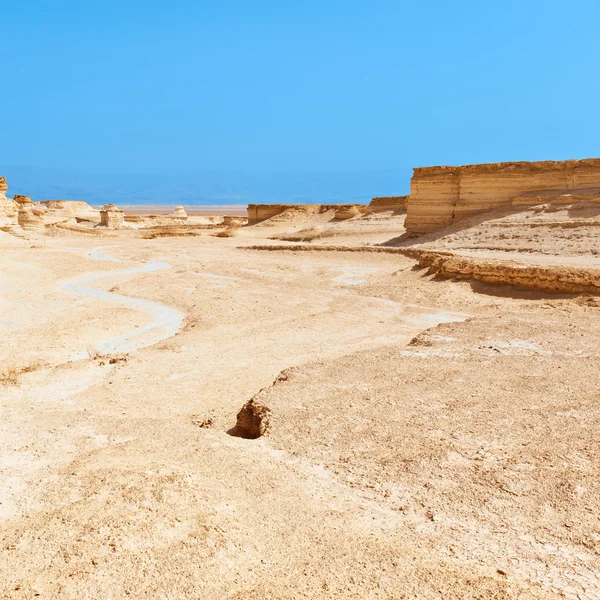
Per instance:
x=298, y=216
x=356, y=231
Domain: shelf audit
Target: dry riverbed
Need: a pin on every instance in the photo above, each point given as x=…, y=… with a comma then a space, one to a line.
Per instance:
x=429, y=438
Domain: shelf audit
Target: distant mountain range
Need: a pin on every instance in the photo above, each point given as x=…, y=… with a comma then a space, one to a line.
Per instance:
x=205, y=188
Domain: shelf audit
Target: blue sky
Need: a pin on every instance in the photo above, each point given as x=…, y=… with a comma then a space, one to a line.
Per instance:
x=266, y=87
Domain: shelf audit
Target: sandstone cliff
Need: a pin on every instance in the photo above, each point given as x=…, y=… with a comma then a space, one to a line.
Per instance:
x=385, y=203
x=441, y=195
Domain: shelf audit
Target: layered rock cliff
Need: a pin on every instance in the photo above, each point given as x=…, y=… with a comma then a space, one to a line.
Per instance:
x=441, y=195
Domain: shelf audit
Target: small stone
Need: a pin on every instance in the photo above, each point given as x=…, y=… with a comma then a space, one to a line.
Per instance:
x=203, y=421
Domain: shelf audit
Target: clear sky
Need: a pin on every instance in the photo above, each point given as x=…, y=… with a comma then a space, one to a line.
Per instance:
x=279, y=86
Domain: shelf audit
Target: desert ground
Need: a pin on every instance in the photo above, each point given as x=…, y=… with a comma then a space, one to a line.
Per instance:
x=433, y=432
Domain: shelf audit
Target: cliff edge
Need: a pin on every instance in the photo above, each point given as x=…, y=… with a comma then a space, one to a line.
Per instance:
x=441, y=195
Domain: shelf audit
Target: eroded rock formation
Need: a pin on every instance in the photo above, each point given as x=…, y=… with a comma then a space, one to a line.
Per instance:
x=234, y=221
x=22, y=200
x=262, y=212
x=348, y=211
x=441, y=195
x=8, y=209
x=111, y=217
x=30, y=216
x=551, y=278
x=179, y=213
x=385, y=203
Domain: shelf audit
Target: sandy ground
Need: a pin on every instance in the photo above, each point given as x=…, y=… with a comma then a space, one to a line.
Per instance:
x=430, y=438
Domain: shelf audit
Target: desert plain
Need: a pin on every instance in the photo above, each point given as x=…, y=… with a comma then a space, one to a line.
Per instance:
x=434, y=407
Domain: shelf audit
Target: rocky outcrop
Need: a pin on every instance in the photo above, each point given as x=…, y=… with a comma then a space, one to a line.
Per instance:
x=441, y=195
x=30, y=216
x=253, y=420
x=261, y=212
x=348, y=211
x=234, y=221
x=111, y=217
x=23, y=200
x=59, y=210
x=545, y=278
x=550, y=278
x=8, y=209
x=179, y=213
x=386, y=203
